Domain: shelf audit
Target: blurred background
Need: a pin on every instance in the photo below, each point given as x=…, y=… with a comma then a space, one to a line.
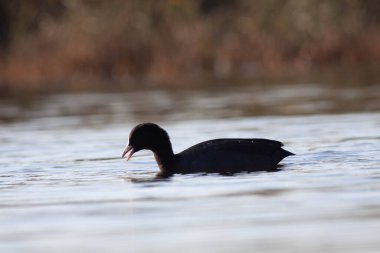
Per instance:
x=87, y=45
x=77, y=75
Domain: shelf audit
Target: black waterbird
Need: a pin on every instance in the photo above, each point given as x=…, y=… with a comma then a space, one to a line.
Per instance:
x=223, y=156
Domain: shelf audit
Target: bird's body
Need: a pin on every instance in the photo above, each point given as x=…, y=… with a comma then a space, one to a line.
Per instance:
x=223, y=156
x=231, y=156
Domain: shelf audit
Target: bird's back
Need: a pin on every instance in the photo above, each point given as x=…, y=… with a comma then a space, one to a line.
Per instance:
x=231, y=156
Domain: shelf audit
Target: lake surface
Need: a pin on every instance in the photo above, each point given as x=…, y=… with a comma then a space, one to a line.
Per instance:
x=64, y=188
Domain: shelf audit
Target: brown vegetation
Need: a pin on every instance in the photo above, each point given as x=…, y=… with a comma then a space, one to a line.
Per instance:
x=61, y=44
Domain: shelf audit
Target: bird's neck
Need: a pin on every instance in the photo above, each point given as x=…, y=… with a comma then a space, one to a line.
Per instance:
x=165, y=159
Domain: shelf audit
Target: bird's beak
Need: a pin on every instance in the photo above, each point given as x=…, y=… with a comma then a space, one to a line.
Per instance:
x=129, y=149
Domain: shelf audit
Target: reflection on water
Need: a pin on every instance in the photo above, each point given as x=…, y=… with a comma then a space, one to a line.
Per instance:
x=179, y=105
x=63, y=187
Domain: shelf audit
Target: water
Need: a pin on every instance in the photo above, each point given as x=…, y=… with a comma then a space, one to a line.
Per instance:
x=63, y=187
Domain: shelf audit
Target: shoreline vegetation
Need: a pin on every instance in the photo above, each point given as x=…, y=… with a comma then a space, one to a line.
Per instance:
x=58, y=46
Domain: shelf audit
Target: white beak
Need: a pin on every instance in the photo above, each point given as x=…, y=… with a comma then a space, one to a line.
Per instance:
x=129, y=149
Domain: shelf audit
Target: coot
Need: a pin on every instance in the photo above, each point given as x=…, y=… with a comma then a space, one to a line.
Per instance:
x=223, y=156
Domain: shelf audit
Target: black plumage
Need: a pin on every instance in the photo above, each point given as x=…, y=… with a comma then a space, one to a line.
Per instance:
x=224, y=156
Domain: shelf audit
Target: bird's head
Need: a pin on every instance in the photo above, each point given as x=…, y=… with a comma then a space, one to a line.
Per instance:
x=146, y=136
